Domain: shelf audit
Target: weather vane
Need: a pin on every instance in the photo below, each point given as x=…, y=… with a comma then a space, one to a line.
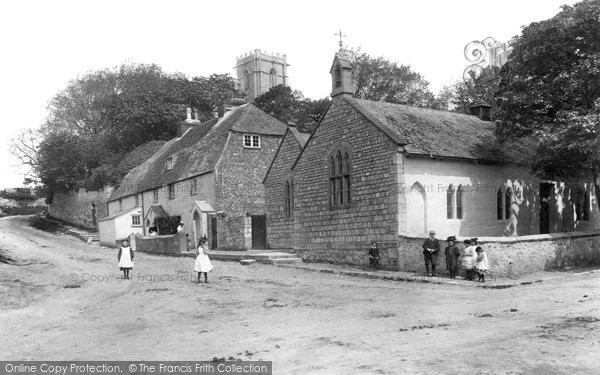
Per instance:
x=341, y=35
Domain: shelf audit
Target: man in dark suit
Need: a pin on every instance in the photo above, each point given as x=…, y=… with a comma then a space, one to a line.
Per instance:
x=431, y=251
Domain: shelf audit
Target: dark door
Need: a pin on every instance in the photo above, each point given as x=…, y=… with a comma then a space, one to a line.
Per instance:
x=259, y=232
x=545, y=191
x=213, y=232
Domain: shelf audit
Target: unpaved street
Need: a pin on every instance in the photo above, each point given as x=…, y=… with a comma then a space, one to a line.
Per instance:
x=63, y=299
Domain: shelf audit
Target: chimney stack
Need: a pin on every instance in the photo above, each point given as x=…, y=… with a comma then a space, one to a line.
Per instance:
x=188, y=111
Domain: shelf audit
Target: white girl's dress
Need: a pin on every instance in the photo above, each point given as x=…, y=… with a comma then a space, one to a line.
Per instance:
x=203, y=263
x=482, y=265
x=125, y=261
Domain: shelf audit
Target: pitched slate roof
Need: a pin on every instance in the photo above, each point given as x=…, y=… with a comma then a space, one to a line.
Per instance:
x=197, y=151
x=157, y=210
x=300, y=137
x=444, y=134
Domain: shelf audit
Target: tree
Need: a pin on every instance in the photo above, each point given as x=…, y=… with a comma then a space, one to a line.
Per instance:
x=291, y=106
x=379, y=79
x=465, y=93
x=550, y=90
x=24, y=146
x=105, y=114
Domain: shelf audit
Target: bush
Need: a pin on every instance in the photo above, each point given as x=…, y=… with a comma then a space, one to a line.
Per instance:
x=16, y=211
x=18, y=195
x=41, y=223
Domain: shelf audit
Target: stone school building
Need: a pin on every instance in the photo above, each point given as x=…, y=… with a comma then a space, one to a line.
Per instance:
x=373, y=171
x=210, y=176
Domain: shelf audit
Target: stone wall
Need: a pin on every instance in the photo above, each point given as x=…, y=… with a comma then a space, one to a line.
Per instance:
x=508, y=256
x=239, y=188
x=163, y=245
x=372, y=214
x=76, y=206
x=280, y=228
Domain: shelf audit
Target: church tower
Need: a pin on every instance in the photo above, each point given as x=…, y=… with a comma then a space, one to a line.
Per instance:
x=257, y=71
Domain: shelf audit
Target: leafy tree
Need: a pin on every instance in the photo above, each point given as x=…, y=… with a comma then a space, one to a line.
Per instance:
x=463, y=94
x=379, y=79
x=291, y=106
x=106, y=114
x=550, y=90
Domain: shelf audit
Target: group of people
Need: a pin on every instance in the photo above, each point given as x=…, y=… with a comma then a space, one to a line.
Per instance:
x=202, y=265
x=472, y=259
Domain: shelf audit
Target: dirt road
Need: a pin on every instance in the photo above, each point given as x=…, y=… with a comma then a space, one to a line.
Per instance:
x=63, y=299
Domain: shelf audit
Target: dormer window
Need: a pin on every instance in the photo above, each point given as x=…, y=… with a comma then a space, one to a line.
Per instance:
x=170, y=163
x=251, y=141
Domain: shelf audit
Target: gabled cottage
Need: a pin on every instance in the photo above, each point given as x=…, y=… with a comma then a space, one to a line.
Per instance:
x=211, y=176
x=375, y=171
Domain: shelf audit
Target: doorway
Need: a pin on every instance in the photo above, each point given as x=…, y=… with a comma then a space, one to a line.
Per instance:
x=213, y=232
x=545, y=192
x=259, y=232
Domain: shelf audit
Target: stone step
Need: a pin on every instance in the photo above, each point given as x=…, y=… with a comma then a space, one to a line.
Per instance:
x=286, y=260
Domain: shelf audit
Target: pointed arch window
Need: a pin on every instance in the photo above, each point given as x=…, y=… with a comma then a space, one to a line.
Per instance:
x=340, y=178
x=586, y=206
x=346, y=173
x=500, y=205
x=288, y=199
x=338, y=76
x=508, y=203
x=459, y=202
x=450, y=202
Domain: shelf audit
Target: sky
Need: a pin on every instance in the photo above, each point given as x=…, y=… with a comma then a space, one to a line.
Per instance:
x=44, y=44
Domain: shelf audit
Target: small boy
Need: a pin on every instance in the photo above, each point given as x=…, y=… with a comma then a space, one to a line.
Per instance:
x=374, y=256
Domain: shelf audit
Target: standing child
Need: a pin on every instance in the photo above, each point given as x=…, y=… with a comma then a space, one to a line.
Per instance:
x=481, y=264
x=203, y=263
x=374, y=255
x=125, y=258
x=452, y=254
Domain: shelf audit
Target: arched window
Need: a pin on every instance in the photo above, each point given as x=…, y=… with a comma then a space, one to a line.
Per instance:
x=272, y=78
x=508, y=203
x=292, y=198
x=499, y=205
x=346, y=173
x=340, y=176
x=288, y=200
x=340, y=180
x=332, y=185
x=581, y=205
x=586, y=206
x=450, y=202
x=459, y=202
x=338, y=76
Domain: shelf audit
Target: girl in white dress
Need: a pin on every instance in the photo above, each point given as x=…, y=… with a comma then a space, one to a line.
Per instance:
x=481, y=263
x=203, y=263
x=125, y=258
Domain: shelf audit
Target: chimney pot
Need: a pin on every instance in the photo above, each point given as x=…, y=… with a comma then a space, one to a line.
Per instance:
x=195, y=113
x=188, y=113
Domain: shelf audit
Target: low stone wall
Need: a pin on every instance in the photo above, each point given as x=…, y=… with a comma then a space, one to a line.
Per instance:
x=388, y=254
x=508, y=256
x=75, y=207
x=163, y=245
